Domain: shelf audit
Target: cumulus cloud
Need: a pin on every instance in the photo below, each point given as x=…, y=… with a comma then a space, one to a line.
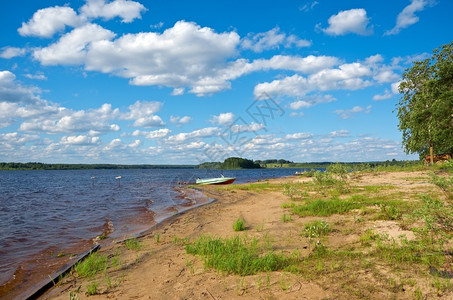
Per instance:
x=387, y=95
x=143, y=114
x=10, y=52
x=299, y=136
x=349, y=113
x=38, y=76
x=395, y=87
x=180, y=120
x=348, y=21
x=200, y=133
x=47, y=21
x=185, y=56
x=72, y=48
x=407, y=17
x=311, y=101
x=272, y=39
x=155, y=134
x=126, y=10
x=223, y=119
x=13, y=91
x=79, y=140
x=339, y=133
x=69, y=121
x=347, y=76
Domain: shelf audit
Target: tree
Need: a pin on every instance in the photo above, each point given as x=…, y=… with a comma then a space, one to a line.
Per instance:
x=425, y=110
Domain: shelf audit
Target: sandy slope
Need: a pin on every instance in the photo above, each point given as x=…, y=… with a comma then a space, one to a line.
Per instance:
x=163, y=270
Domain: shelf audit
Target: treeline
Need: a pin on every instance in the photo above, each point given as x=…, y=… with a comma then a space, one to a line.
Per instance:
x=231, y=163
x=12, y=166
x=239, y=163
x=234, y=163
x=273, y=161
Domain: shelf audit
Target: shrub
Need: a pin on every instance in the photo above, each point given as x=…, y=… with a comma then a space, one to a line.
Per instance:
x=239, y=225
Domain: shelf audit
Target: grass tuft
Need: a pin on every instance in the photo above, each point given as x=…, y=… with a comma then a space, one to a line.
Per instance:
x=93, y=264
x=237, y=255
x=239, y=225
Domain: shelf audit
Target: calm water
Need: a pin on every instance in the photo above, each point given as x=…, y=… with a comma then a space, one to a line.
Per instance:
x=44, y=214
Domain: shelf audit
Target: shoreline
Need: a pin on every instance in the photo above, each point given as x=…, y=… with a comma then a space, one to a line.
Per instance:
x=32, y=286
x=161, y=268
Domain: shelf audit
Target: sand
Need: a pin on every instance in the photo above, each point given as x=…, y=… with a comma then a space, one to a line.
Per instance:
x=162, y=269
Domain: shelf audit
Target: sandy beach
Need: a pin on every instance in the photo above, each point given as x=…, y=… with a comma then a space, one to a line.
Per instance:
x=352, y=266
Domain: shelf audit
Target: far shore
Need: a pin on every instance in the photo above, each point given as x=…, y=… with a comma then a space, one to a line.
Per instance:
x=371, y=248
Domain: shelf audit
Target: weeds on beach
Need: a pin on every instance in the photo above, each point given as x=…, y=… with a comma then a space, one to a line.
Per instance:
x=93, y=264
x=239, y=225
x=133, y=244
x=237, y=255
x=316, y=228
x=92, y=288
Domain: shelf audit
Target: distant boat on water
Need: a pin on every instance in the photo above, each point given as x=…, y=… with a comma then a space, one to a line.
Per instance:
x=218, y=180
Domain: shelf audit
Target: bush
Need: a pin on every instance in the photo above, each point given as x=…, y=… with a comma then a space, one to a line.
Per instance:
x=239, y=225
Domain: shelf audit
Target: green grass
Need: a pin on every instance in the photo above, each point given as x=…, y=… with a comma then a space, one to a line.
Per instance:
x=239, y=225
x=92, y=288
x=286, y=218
x=254, y=187
x=93, y=264
x=237, y=255
x=316, y=228
x=325, y=208
x=133, y=244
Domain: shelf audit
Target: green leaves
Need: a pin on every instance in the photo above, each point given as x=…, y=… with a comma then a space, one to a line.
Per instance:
x=425, y=110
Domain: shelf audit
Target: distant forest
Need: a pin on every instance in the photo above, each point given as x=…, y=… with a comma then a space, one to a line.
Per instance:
x=229, y=163
x=11, y=166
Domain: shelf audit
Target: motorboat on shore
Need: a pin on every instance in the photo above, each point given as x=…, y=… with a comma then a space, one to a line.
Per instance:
x=218, y=180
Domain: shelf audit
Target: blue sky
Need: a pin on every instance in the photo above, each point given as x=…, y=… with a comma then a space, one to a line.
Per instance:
x=183, y=82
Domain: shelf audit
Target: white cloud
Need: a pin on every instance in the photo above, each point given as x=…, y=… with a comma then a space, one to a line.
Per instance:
x=299, y=136
x=387, y=95
x=348, y=113
x=143, y=114
x=385, y=75
x=407, y=16
x=395, y=87
x=311, y=101
x=10, y=52
x=296, y=114
x=348, y=21
x=12, y=91
x=200, y=133
x=69, y=121
x=308, y=6
x=135, y=144
x=73, y=47
x=114, y=144
x=38, y=76
x=160, y=133
x=272, y=39
x=185, y=56
x=347, y=76
x=339, y=133
x=180, y=120
x=223, y=119
x=241, y=128
x=126, y=10
x=47, y=21
x=79, y=140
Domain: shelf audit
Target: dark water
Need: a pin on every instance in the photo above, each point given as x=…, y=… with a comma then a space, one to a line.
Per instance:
x=45, y=215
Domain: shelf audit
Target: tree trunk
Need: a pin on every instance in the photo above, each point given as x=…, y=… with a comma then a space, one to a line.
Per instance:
x=431, y=155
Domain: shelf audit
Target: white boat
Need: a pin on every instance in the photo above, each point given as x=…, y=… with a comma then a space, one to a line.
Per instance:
x=218, y=180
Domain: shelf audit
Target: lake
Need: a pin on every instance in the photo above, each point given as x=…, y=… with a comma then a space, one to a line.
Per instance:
x=47, y=216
